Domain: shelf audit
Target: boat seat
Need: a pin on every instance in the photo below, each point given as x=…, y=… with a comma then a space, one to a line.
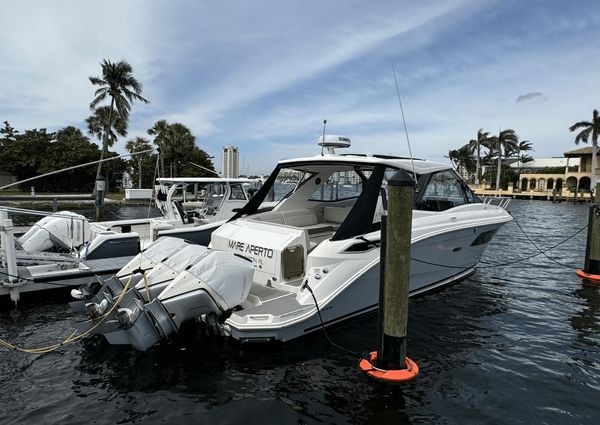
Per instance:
x=335, y=214
x=300, y=218
x=269, y=217
x=294, y=218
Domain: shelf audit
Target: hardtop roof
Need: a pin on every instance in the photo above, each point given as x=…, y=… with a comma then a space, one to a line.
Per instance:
x=421, y=166
x=205, y=180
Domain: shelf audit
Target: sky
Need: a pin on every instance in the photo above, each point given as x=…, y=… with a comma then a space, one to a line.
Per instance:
x=264, y=74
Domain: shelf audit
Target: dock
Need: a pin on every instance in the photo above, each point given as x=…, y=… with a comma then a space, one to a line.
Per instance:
x=562, y=195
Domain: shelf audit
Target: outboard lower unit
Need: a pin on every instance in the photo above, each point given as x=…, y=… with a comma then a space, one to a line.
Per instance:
x=216, y=283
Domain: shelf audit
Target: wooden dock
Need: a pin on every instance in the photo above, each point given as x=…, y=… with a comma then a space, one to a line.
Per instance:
x=560, y=196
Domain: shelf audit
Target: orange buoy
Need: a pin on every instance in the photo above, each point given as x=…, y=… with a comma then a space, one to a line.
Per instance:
x=584, y=275
x=393, y=375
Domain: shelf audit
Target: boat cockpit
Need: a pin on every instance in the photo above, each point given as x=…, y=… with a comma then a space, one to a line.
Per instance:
x=333, y=198
x=339, y=200
x=201, y=200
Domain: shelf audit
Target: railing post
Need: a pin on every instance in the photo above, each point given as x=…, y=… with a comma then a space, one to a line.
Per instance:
x=3, y=243
x=8, y=242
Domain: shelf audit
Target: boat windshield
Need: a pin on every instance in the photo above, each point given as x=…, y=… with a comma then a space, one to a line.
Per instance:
x=444, y=190
x=287, y=182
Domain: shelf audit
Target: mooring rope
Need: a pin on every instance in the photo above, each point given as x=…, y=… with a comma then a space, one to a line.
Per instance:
x=73, y=337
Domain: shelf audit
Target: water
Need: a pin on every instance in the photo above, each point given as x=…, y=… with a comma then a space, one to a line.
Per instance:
x=514, y=345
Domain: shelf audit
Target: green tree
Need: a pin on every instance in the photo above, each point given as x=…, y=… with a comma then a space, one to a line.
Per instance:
x=9, y=134
x=475, y=145
x=118, y=84
x=521, y=154
x=160, y=131
x=589, y=128
x=463, y=160
x=23, y=157
x=136, y=145
x=505, y=141
x=197, y=157
x=178, y=143
x=96, y=124
x=70, y=147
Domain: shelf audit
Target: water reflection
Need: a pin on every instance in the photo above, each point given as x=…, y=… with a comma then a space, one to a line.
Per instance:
x=586, y=321
x=507, y=345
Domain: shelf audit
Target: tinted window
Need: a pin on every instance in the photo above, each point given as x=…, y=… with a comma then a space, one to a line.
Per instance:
x=444, y=191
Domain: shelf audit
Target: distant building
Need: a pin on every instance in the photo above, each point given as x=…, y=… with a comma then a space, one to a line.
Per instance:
x=532, y=178
x=230, y=162
x=540, y=163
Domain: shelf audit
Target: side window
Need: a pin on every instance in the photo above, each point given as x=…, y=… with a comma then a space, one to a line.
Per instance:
x=471, y=197
x=288, y=181
x=237, y=192
x=444, y=191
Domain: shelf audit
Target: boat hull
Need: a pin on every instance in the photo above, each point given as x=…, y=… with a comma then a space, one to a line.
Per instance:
x=444, y=265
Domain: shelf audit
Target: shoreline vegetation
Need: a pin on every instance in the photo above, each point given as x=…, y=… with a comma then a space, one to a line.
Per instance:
x=29, y=153
x=488, y=151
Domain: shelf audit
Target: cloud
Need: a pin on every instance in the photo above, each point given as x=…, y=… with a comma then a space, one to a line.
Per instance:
x=529, y=96
x=264, y=74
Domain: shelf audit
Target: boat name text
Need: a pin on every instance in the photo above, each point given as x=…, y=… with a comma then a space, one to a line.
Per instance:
x=252, y=249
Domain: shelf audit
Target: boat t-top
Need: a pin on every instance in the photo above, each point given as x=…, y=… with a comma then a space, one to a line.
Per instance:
x=323, y=233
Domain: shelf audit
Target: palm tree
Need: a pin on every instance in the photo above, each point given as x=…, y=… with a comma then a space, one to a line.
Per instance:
x=520, y=153
x=506, y=140
x=462, y=159
x=475, y=147
x=136, y=145
x=179, y=143
x=589, y=128
x=97, y=125
x=160, y=131
x=118, y=84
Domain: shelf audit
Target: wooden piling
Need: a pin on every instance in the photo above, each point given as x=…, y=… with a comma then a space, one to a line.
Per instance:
x=397, y=270
x=592, y=248
x=390, y=363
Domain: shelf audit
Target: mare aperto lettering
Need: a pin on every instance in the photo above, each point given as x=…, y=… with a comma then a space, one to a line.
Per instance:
x=259, y=251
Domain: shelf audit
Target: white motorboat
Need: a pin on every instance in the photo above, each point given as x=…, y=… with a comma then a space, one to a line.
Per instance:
x=64, y=249
x=320, y=236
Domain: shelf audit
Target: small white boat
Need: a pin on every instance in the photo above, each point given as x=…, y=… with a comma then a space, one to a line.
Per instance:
x=315, y=237
x=65, y=249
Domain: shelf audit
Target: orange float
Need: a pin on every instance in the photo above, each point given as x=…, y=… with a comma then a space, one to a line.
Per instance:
x=394, y=376
x=584, y=275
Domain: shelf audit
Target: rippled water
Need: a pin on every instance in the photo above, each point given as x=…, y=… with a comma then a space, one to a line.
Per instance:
x=517, y=344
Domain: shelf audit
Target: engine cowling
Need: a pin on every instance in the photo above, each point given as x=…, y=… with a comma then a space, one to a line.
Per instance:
x=61, y=231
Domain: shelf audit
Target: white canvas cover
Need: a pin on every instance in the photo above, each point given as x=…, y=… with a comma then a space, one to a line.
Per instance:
x=64, y=229
x=156, y=252
x=176, y=263
x=225, y=276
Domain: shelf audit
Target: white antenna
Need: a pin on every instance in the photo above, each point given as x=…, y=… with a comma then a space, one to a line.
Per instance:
x=405, y=130
x=323, y=144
